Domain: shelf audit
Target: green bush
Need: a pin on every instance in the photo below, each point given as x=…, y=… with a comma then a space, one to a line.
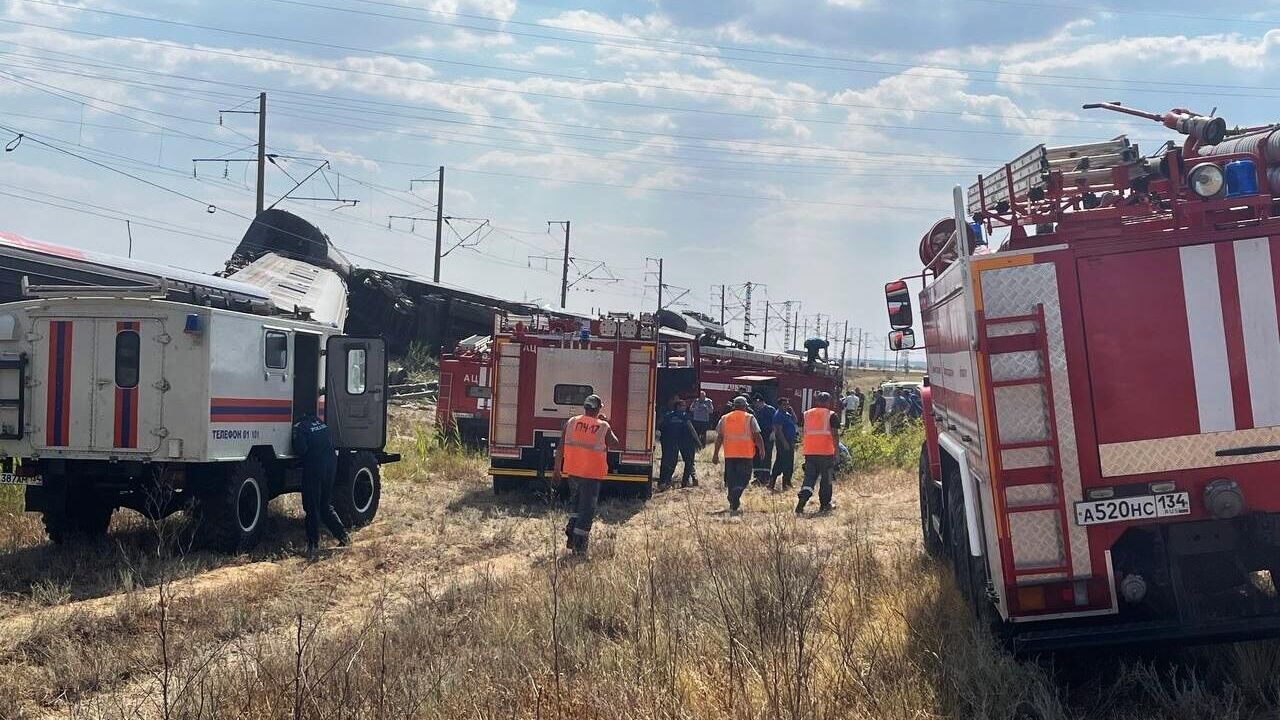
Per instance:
x=11, y=499
x=880, y=450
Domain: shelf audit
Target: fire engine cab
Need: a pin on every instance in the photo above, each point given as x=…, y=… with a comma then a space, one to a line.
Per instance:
x=465, y=397
x=543, y=367
x=1102, y=410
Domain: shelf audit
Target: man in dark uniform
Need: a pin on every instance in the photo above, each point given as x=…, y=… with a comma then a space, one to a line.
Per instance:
x=312, y=443
x=678, y=438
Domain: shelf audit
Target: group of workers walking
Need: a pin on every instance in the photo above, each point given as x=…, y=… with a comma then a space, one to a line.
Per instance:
x=582, y=455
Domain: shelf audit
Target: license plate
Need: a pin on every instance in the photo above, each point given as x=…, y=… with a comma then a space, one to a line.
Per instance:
x=14, y=479
x=1141, y=507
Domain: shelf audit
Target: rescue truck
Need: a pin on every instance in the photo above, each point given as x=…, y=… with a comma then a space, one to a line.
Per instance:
x=725, y=372
x=465, y=395
x=543, y=367
x=1103, y=415
x=117, y=397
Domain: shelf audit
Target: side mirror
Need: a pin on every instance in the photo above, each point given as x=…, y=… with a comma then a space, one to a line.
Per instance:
x=902, y=339
x=898, y=299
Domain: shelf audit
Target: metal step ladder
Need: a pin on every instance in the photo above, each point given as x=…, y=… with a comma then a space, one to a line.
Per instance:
x=1003, y=350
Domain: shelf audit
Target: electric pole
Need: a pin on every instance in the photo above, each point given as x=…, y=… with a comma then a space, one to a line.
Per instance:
x=766, y=325
x=722, y=307
x=747, y=334
x=564, y=275
x=844, y=348
x=439, y=221
x=795, y=337
x=659, y=285
x=262, y=153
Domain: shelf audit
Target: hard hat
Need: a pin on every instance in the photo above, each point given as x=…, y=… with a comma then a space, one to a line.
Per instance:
x=740, y=402
x=593, y=402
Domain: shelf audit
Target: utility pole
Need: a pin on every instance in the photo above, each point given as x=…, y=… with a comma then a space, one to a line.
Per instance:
x=564, y=275
x=766, y=324
x=262, y=152
x=722, y=307
x=435, y=277
x=747, y=334
x=659, y=283
x=795, y=337
x=858, y=362
x=844, y=348
x=786, y=326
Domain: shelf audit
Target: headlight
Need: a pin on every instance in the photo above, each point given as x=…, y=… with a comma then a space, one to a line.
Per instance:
x=1206, y=180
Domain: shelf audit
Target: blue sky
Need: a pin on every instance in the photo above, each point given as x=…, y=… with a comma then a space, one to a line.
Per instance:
x=802, y=145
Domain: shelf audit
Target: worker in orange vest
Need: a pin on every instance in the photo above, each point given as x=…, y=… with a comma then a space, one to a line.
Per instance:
x=739, y=434
x=821, y=442
x=583, y=455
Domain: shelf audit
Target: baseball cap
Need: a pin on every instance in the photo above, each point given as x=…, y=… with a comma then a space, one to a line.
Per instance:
x=740, y=402
x=593, y=401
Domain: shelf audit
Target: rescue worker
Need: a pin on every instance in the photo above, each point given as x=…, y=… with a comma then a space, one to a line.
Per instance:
x=739, y=434
x=821, y=439
x=700, y=409
x=678, y=437
x=312, y=443
x=813, y=347
x=764, y=413
x=784, y=445
x=584, y=457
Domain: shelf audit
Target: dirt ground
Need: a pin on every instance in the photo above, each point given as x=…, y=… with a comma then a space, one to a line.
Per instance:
x=454, y=603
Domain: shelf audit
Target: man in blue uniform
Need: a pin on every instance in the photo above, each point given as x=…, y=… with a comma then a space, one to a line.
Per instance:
x=312, y=443
x=678, y=436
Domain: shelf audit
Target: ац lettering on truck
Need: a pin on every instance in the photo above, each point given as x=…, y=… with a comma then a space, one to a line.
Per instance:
x=1102, y=411
x=543, y=367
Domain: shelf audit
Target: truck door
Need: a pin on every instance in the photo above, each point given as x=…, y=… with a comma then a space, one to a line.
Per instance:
x=128, y=376
x=355, y=392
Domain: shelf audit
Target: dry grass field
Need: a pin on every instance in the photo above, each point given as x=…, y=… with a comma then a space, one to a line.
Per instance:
x=457, y=604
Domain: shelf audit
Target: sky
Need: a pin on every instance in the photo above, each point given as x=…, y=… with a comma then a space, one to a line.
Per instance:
x=803, y=146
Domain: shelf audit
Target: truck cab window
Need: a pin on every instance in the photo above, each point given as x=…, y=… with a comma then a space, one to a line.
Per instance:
x=127, y=354
x=571, y=394
x=356, y=371
x=277, y=350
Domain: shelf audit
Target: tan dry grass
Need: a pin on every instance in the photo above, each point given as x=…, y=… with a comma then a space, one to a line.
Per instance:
x=452, y=605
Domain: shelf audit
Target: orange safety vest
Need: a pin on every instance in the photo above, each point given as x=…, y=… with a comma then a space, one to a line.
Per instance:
x=817, y=432
x=585, y=452
x=738, y=440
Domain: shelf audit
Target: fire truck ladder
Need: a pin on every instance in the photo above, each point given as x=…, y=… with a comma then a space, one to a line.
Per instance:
x=1036, y=540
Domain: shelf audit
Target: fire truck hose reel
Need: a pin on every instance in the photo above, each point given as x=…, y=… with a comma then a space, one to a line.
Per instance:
x=1133, y=588
x=956, y=451
x=1223, y=499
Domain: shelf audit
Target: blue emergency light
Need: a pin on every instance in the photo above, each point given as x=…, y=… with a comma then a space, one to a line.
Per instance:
x=1242, y=178
x=192, y=325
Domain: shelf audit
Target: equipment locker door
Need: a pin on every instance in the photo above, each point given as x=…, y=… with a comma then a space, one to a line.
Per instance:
x=127, y=404
x=355, y=392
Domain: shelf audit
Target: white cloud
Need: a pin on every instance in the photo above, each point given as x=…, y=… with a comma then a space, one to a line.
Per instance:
x=531, y=57
x=1234, y=50
x=501, y=9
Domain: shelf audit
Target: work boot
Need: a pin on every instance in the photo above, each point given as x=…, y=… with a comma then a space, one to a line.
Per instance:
x=826, y=508
x=800, y=506
x=694, y=480
x=578, y=545
x=344, y=540
x=313, y=551
x=684, y=484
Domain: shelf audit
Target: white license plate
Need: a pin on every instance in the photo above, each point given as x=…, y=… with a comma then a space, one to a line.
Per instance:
x=1141, y=507
x=13, y=479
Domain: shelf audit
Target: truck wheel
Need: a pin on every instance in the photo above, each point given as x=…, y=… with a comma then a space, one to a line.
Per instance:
x=958, y=531
x=357, y=489
x=232, y=513
x=83, y=515
x=932, y=541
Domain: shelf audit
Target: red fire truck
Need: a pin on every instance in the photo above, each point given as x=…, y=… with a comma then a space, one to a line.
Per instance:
x=465, y=397
x=1103, y=413
x=543, y=367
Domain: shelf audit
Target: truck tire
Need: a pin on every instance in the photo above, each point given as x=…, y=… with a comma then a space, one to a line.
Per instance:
x=928, y=507
x=83, y=514
x=231, y=513
x=957, y=542
x=358, y=489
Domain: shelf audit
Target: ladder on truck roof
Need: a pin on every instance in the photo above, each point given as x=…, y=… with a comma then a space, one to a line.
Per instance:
x=1035, y=544
x=1085, y=168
